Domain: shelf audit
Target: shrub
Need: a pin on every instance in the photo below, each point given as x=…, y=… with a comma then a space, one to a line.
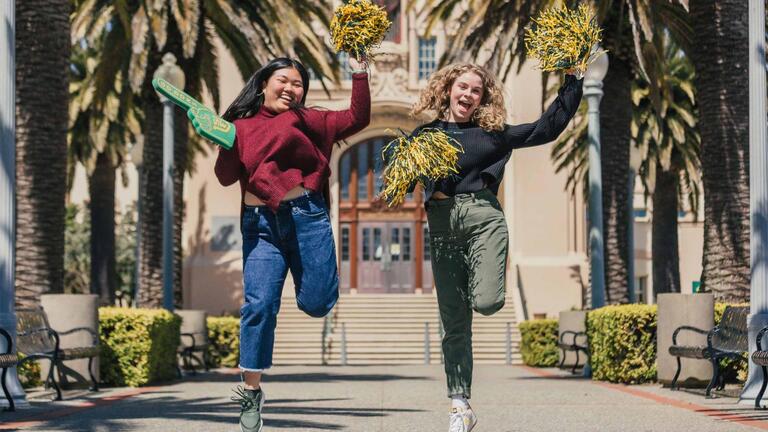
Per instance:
x=539, y=342
x=29, y=374
x=622, y=341
x=138, y=346
x=224, y=337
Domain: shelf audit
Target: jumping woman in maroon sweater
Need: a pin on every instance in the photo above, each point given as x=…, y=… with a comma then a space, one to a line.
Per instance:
x=280, y=158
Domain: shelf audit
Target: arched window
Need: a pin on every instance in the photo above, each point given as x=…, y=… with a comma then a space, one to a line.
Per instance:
x=382, y=249
x=360, y=171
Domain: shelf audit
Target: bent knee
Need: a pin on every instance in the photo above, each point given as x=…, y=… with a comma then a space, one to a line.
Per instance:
x=318, y=308
x=485, y=307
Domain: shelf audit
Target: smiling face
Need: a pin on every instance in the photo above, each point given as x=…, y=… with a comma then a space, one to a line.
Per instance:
x=466, y=94
x=283, y=88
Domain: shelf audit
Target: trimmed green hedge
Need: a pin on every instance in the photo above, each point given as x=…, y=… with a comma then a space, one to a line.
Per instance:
x=138, y=346
x=622, y=341
x=224, y=338
x=539, y=342
x=29, y=374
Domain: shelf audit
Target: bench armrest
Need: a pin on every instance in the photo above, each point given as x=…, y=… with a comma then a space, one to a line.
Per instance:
x=94, y=335
x=688, y=328
x=8, y=341
x=573, y=334
x=191, y=337
x=759, y=339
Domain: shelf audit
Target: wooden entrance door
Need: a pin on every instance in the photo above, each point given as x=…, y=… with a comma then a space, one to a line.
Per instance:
x=385, y=259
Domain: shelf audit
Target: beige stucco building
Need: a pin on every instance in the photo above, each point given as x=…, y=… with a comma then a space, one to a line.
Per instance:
x=383, y=251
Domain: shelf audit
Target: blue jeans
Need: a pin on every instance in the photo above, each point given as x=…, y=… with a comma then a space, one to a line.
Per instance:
x=298, y=238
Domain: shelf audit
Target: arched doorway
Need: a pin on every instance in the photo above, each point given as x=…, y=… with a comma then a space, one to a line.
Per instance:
x=381, y=249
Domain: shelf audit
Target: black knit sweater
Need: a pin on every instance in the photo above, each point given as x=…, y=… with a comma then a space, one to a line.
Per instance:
x=485, y=153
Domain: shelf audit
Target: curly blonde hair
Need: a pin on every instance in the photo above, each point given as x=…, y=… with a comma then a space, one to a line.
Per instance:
x=489, y=115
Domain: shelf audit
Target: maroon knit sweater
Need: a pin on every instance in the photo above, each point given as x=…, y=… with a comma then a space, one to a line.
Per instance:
x=273, y=153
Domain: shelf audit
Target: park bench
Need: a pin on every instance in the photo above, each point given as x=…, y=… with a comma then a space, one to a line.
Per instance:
x=36, y=340
x=726, y=340
x=8, y=359
x=760, y=358
x=578, y=343
x=194, y=339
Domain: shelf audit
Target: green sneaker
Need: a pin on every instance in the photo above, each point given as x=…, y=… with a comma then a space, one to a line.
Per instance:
x=250, y=402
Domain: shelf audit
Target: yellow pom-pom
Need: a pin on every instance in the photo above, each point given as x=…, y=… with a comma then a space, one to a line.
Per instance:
x=563, y=39
x=358, y=26
x=427, y=157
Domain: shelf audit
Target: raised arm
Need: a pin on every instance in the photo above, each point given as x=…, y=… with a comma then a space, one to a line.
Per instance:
x=552, y=122
x=345, y=123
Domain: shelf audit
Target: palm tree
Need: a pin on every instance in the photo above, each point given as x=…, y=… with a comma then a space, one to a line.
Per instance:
x=670, y=144
x=666, y=135
x=99, y=134
x=628, y=29
x=138, y=32
x=42, y=59
x=720, y=57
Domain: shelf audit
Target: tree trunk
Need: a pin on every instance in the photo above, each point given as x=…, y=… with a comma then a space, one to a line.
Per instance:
x=181, y=152
x=151, y=273
x=615, y=120
x=664, y=243
x=101, y=187
x=150, y=293
x=720, y=57
x=42, y=62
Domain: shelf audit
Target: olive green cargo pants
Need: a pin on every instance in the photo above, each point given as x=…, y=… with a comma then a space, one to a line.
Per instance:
x=468, y=241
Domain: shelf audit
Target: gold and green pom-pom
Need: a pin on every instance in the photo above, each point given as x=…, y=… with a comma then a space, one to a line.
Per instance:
x=427, y=157
x=358, y=26
x=563, y=39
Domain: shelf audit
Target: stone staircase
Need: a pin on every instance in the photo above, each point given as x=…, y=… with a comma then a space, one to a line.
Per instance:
x=298, y=337
x=394, y=328
x=385, y=329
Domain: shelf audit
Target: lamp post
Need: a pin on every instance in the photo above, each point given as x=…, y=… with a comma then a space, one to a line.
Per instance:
x=635, y=158
x=7, y=188
x=172, y=73
x=593, y=90
x=758, y=192
x=137, y=158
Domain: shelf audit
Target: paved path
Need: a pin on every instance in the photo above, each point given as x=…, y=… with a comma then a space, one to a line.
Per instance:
x=392, y=398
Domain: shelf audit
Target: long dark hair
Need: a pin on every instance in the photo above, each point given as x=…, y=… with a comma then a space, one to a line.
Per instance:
x=251, y=98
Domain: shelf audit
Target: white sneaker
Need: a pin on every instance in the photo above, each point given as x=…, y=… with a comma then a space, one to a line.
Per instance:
x=462, y=420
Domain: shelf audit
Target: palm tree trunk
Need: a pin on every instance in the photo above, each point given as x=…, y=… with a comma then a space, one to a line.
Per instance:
x=664, y=242
x=151, y=273
x=615, y=120
x=720, y=58
x=181, y=151
x=101, y=187
x=42, y=61
x=150, y=293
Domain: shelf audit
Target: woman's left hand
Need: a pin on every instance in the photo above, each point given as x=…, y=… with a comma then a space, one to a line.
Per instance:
x=356, y=65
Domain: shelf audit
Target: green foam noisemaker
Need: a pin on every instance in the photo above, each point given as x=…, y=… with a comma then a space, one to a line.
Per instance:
x=206, y=123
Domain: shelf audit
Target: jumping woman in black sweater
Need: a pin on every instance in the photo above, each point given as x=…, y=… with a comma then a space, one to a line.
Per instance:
x=468, y=233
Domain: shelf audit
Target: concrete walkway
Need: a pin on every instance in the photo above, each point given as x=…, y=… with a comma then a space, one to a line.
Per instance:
x=391, y=398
